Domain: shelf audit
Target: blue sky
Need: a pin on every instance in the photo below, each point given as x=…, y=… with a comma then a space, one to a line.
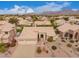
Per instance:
x=13, y=7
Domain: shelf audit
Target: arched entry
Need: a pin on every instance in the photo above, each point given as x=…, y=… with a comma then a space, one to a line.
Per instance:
x=42, y=36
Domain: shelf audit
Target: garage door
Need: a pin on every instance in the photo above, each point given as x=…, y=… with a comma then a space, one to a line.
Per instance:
x=27, y=42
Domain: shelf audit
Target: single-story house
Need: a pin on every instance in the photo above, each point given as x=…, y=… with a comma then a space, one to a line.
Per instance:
x=45, y=22
x=72, y=17
x=33, y=34
x=60, y=22
x=74, y=21
x=7, y=32
x=24, y=22
x=69, y=31
x=29, y=18
x=43, y=18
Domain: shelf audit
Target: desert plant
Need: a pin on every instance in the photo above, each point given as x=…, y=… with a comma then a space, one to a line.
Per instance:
x=63, y=40
x=66, y=18
x=7, y=45
x=19, y=30
x=76, y=40
x=34, y=17
x=13, y=20
x=54, y=47
x=77, y=17
x=13, y=43
x=57, y=31
x=1, y=18
x=71, y=41
x=2, y=47
x=54, y=24
x=50, y=39
x=69, y=45
x=39, y=50
x=46, y=51
x=77, y=49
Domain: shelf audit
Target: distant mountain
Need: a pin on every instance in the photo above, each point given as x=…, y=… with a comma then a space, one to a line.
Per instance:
x=63, y=12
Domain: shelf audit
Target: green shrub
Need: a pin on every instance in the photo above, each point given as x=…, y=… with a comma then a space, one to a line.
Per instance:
x=13, y=43
x=39, y=50
x=69, y=45
x=71, y=41
x=63, y=40
x=2, y=47
x=19, y=30
x=54, y=47
x=50, y=39
x=77, y=49
x=13, y=20
x=7, y=45
x=76, y=40
x=66, y=18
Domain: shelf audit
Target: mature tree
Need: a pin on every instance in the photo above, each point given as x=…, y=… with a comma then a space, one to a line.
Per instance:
x=66, y=18
x=34, y=17
x=13, y=20
x=53, y=24
x=1, y=18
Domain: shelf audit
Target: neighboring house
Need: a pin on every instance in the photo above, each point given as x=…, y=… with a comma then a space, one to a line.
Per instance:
x=24, y=22
x=59, y=17
x=7, y=32
x=74, y=21
x=69, y=31
x=42, y=23
x=29, y=18
x=34, y=34
x=60, y=22
x=72, y=17
x=43, y=18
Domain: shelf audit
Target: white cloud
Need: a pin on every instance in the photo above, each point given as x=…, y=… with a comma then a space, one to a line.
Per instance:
x=53, y=6
x=15, y=10
x=74, y=9
x=29, y=10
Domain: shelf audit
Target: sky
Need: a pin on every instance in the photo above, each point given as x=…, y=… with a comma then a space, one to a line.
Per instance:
x=23, y=7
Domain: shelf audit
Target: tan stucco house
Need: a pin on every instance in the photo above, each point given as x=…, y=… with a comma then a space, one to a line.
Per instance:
x=33, y=34
x=69, y=31
x=7, y=32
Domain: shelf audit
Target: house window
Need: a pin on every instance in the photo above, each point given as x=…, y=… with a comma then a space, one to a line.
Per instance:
x=66, y=34
x=76, y=35
x=42, y=35
x=6, y=32
x=38, y=38
x=70, y=36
